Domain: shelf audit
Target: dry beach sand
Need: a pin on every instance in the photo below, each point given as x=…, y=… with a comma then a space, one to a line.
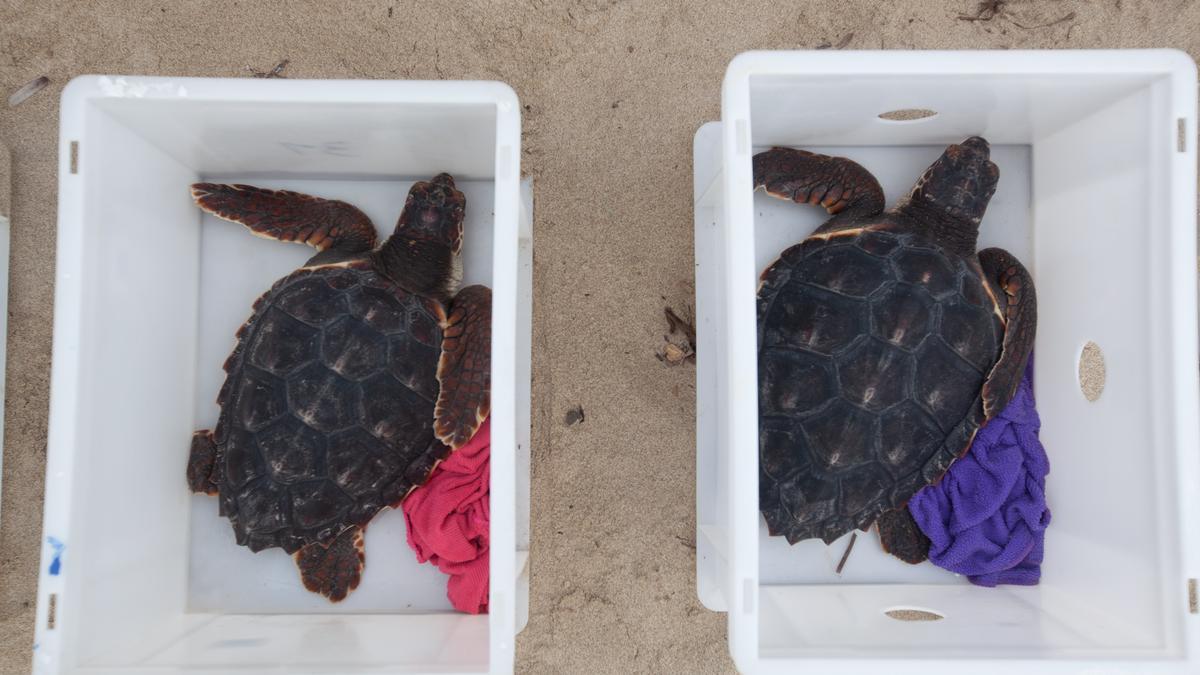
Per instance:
x=612, y=94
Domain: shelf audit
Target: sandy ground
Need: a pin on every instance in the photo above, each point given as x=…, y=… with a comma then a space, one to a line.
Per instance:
x=612, y=93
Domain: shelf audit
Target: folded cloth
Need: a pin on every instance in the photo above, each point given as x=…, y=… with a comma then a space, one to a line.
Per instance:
x=447, y=520
x=987, y=516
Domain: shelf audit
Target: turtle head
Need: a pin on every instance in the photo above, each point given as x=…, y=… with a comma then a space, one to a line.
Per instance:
x=423, y=254
x=960, y=183
x=434, y=211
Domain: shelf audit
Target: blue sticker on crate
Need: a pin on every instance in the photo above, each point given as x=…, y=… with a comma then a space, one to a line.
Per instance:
x=56, y=561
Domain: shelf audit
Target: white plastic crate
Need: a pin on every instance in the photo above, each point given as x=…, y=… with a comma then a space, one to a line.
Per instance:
x=138, y=575
x=1097, y=197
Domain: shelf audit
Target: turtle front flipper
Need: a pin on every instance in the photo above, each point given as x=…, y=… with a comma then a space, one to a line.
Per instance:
x=325, y=224
x=836, y=183
x=1016, y=301
x=465, y=368
x=335, y=569
x=900, y=536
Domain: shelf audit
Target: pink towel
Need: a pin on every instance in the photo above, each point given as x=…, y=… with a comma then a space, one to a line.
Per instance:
x=447, y=520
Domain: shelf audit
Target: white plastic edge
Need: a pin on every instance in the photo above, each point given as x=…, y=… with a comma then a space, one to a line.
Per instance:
x=5, y=242
x=954, y=62
x=68, y=308
x=737, y=236
x=505, y=274
x=741, y=365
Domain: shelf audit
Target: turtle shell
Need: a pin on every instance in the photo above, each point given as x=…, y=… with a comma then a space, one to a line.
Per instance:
x=328, y=406
x=873, y=349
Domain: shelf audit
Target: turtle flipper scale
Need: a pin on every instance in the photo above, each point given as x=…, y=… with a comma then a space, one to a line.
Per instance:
x=335, y=569
x=836, y=183
x=465, y=368
x=324, y=224
x=1017, y=300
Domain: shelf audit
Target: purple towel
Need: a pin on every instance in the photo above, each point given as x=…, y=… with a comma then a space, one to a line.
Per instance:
x=987, y=517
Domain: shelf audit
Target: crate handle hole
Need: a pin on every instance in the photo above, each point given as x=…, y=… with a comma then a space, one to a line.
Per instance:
x=1092, y=372
x=908, y=115
x=913, y=614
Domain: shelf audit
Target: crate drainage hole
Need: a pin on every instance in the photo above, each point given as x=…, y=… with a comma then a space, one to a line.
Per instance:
x=908, y=114
x=911, y=614
x=52, y=611
x=1091, y=371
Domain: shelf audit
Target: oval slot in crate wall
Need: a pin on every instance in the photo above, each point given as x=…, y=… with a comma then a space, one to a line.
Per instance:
x=913, y=614
x=908, y=115
x=1092, y=372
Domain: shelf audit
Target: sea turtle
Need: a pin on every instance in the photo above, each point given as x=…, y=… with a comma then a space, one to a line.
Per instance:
x=884, y=343
x=353, y=377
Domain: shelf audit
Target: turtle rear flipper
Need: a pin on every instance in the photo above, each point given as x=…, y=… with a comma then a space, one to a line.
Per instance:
x=1018, y=305
x=335, y=569
x=333, y=227
x=465, y=368
x=201, y=463
x=900, y=536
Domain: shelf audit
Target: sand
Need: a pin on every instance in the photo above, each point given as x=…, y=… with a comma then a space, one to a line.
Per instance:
x=613, y=92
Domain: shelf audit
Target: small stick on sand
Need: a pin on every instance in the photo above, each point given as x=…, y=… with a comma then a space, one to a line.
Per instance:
x=28, y=90
x=276, y=72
